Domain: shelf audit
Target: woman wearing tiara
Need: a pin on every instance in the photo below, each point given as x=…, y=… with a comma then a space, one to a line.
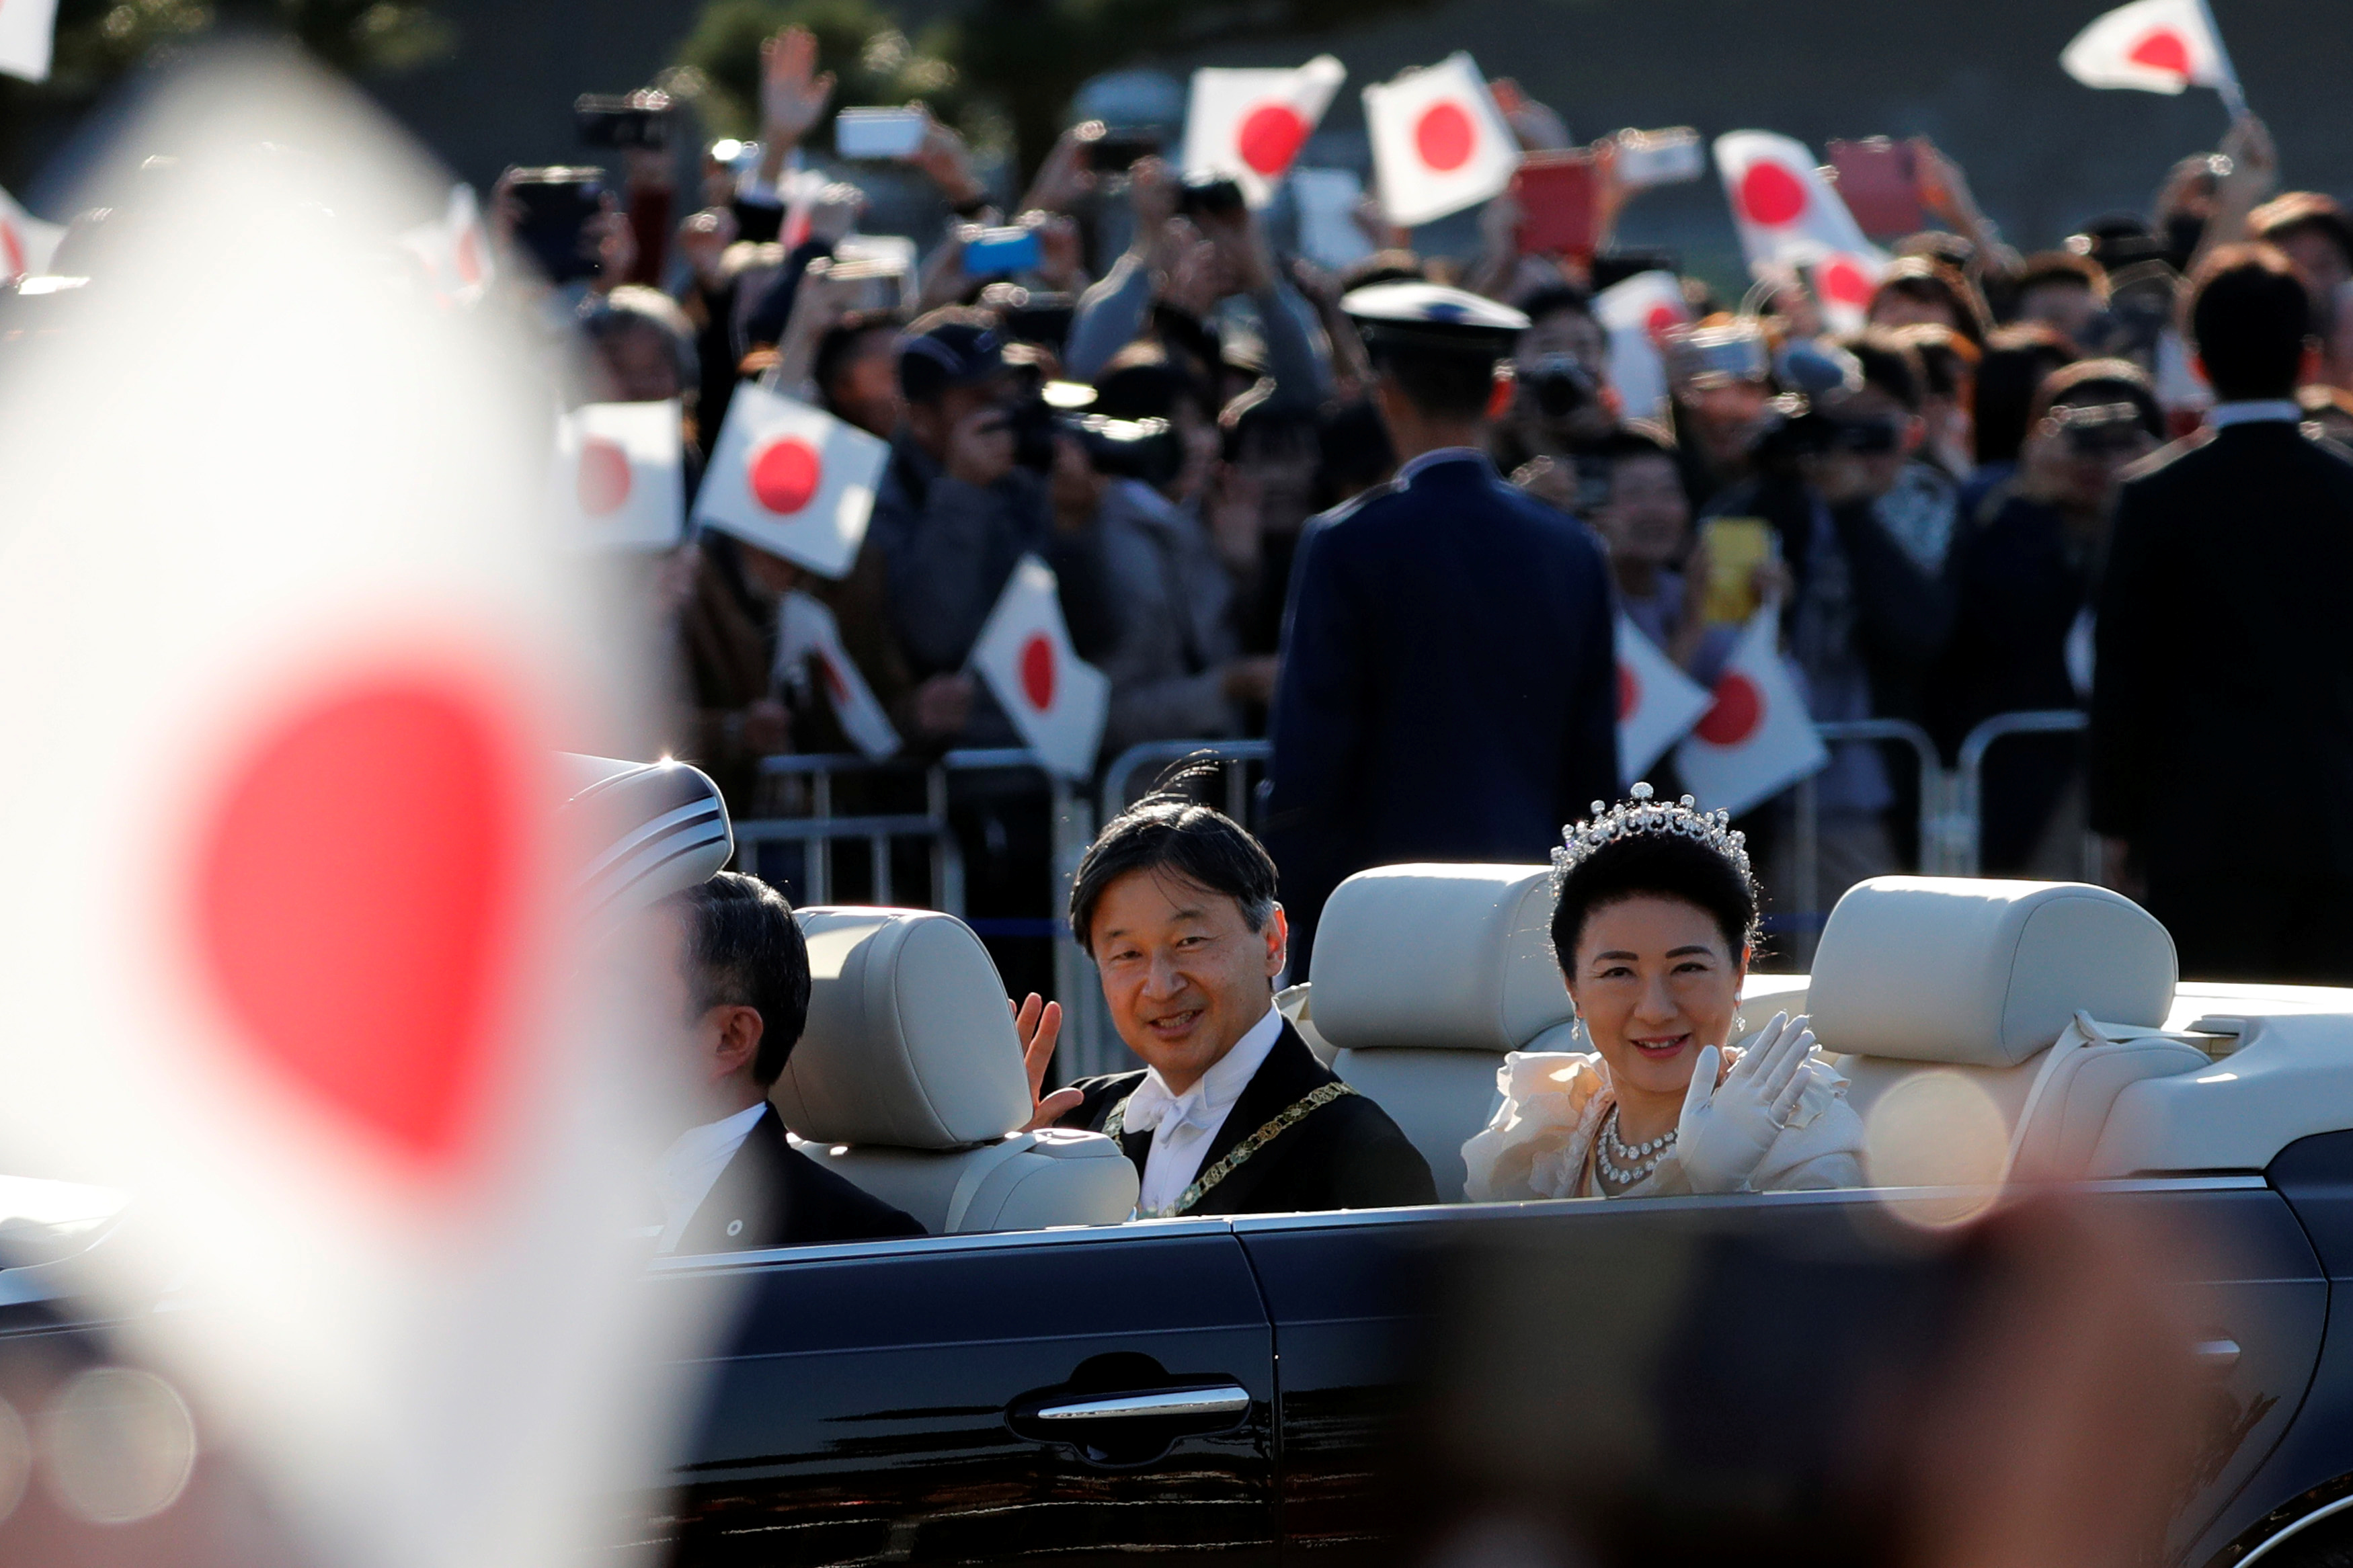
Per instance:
x=1654, y=917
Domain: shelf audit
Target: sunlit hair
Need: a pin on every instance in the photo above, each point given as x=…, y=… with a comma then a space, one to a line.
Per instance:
x=744, y=948
x=1663, y=865
x=1170, y=830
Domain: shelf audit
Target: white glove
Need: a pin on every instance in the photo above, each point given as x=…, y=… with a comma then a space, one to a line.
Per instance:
x=1724, y=1132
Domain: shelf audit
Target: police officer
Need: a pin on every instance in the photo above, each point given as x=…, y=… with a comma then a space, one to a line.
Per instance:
x=1449, y=684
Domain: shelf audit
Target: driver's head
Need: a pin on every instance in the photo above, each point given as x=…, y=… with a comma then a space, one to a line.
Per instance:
x=1174, y=901
x=743, y=975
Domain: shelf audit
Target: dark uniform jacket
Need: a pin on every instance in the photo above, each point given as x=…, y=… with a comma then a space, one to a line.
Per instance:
x=1449, y=686
x=1344, y=1154
x=772, y=1194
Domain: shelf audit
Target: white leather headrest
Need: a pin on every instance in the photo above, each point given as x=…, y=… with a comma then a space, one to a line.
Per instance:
x=909, y=1045
x=1982, y=973
x=1439, y=956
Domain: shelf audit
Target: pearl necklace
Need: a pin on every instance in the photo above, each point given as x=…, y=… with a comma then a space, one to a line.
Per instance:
x=1623, y=1166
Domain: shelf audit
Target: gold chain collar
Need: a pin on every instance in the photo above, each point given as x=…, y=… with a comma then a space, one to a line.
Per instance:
x=1284, y=1120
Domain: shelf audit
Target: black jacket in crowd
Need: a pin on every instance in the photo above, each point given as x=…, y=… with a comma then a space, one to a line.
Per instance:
x=772, y=1194
x=1449, y=688
x=2223, y=691
x=1344, y=1154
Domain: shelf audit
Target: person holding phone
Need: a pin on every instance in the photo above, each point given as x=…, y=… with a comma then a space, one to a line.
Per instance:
x=1562, y=403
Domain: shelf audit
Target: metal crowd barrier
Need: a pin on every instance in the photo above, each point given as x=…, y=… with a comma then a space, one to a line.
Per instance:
x=1950, y=824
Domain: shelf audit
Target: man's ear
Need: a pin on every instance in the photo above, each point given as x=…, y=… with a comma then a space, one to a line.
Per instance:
x=1278, y=941
x=740, y=1031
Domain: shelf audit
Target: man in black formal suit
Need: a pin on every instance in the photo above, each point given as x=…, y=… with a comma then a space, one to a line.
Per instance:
x=2223, y=683
x=1449, y=688
x=734, y=1183
x=1232, y=1114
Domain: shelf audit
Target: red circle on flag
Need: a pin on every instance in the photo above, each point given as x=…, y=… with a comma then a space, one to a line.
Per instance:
x=1271, y=137
x=785, y=474
x=1771, y=195
x=1630, y=694
x=1845, y=283
x=2164, y=50
x=1739, y=710
x=1038, y=671
x=12, y=251
x=365, y=868
x=602, y=484
x=1662, y=317
x=1444, y=136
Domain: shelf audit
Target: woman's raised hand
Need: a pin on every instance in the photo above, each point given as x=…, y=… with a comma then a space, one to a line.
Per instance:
x=1726, y=1129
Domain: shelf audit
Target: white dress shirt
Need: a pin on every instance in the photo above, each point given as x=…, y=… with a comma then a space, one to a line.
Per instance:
x=2254, y=411
x=1183, y=1125
x=690, y=1168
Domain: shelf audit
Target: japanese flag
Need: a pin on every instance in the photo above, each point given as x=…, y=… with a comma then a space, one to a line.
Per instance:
x=1657, y=704
x=1786, y=211
x=287, y=693
x=618, y=480
x=2157, y=45
x=26, y=243
x=1440, y=145
x=454, y=249
x=792, y=480
x=27, y=30
x=1636, y=314
x=808, y=639
x=1756, y=739
x=1844, y=284
x=1024, y=653
x=1249, y=124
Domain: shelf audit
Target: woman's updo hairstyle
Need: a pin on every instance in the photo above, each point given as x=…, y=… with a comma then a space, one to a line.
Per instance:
x=1645, y=850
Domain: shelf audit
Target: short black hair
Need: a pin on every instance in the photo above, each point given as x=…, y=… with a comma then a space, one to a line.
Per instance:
x=1443, y=383
x=1553, y=299
x=744, y=948
x=1889, y=363
x=842, y=340
x=1652, y=865
x=2248, y=316
x=1169, y=830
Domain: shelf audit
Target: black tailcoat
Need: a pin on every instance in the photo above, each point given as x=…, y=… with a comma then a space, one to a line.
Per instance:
x=1346, y=1154
x=772, y=1194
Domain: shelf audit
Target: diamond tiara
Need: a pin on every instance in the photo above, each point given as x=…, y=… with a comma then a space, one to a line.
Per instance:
x=1639, y=817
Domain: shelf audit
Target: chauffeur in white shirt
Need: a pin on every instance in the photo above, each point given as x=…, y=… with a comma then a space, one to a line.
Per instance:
x=1231, y=1112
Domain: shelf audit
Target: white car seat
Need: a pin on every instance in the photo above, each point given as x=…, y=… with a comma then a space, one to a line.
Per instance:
x=1424, y=976
x=908, y=1082
x=1979, y=979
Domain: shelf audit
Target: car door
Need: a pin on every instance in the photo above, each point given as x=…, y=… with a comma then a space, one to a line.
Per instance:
x=972, y=1399
x=1742, y=1334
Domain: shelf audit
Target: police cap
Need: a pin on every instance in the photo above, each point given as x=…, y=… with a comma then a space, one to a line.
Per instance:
x=1430, y=316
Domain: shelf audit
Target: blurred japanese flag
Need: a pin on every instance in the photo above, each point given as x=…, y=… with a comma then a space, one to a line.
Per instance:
x=1636, y=312
x=28, y=32
x=1024, y=653
x=1844, y=284
x=1657, y=702
x=454, y=249
x=1440, y=145
x=808, y=637
x=2157, y=45
x=1786, y=211
x=26, y=243
x=792, y=480
x=618, y=481
x=1756, y=739
x=289, y=648
x=1251, y=124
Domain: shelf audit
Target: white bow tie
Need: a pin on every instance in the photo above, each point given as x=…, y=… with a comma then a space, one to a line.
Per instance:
x=1152, y=1105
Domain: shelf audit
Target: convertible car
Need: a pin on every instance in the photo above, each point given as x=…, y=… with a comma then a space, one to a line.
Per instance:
x=1043, y=1375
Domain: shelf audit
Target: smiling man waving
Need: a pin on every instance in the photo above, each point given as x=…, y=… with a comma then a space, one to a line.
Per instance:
x=1232, y=1113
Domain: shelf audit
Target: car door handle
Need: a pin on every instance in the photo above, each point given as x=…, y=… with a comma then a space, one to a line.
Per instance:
x=1219, y=1399
x=2216, y=1354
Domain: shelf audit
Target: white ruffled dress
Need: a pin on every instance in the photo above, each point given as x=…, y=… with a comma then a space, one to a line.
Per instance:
x=1540, y=1144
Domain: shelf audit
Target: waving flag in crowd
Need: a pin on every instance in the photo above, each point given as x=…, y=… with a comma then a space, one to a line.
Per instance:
x=620, y=478
x=27, y=36
x=1788, y=213
x=26, y=243
x=1251, y=124
x=808, y=637
x=2156, y=45
x=792, y=480
x=1756, y=739
x=1440, y=145
x=1844, y=284
x=1636, y=314
x=454, y=249
x=1657, y=702
x=1056, y=700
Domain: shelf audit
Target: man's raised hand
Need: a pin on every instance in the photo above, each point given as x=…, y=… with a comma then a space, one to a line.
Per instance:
x=793, y=95
x=1040, y=1024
